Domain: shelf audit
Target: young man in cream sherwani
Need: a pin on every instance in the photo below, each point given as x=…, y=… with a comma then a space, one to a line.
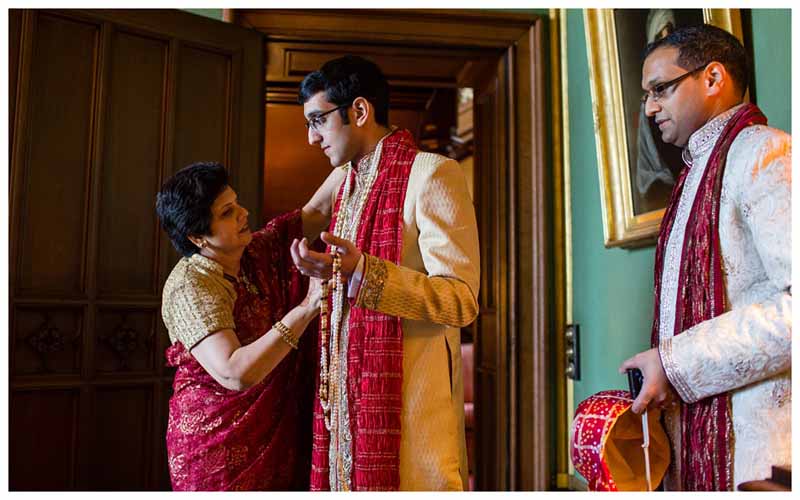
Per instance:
x=390, y=414
x=721, y=357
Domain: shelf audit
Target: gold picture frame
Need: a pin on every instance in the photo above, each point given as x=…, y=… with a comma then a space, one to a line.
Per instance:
x=624, y=224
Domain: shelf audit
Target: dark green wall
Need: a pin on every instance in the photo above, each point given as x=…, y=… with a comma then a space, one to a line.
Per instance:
x=613, y=288
x=772, y=61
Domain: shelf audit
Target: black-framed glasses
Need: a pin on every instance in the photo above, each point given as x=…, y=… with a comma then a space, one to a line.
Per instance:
x=658, y=91
x=319, y=120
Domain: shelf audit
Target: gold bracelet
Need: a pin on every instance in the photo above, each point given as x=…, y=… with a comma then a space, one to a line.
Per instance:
x=286, y=334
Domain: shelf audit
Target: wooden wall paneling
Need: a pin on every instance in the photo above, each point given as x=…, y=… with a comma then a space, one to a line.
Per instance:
x=232, y=112
x=287, y=153
x=14, y=48
x=288, y=158
x=248, y=143
x=125, y=340
x=59, y=134
x=291, y=156
x=208, y=35
x=168, y=256
x=43, y=450
x=18, y=116
x=94, y=122
x=96, y=149
x=535, y=395
x=203, y=76
x=290, y=62
x=131, y=166
x=48, y=341
x=121, y=426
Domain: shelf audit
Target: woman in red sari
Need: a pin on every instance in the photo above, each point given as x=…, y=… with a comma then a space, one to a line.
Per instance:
x=236, y=310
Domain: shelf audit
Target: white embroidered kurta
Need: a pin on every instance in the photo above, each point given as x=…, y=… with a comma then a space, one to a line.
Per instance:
x=434, y=291
x=747, y=350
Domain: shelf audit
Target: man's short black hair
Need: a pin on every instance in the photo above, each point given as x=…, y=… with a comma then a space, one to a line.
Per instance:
x=346, y=78
x=184, y=203
x=702, y=44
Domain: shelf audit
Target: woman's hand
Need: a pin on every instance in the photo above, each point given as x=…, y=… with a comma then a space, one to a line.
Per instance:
x=314, y=296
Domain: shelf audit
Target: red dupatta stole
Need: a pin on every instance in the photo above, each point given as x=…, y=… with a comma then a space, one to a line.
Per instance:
x=257, y=439
x=706, y=428
x=375, y=350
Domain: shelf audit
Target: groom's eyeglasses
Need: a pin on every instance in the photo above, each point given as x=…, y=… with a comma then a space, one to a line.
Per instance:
x=658, y=91
x=319, y=120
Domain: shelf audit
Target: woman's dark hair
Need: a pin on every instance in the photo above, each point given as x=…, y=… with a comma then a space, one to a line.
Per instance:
x=702, y=44
x=346, y=78
x=184, y=203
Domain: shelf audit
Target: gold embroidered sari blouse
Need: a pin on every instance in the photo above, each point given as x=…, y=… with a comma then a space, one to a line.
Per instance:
x=197, y=301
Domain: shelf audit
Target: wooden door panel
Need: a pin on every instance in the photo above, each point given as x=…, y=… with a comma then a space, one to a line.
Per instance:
x=47, y=341
x=492, y=341
x=132, y=160
x=108, y=104
x=204, y=100
x=14, y=32
x=126, y=340
x=56, y=159
x=120, y=438
x=43, y=449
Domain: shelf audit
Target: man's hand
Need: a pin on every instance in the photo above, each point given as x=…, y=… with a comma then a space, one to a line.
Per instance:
x=320, y=265
x=656, y=390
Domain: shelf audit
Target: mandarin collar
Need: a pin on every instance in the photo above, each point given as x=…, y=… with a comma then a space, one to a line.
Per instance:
x=704, y=138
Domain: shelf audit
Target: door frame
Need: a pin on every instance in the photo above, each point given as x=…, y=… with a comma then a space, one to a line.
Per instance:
x=518, y=452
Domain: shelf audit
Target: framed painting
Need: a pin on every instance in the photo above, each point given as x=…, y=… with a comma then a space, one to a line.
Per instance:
x=637, y=170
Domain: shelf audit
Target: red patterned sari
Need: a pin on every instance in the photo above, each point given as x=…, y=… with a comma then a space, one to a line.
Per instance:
x=260, y=438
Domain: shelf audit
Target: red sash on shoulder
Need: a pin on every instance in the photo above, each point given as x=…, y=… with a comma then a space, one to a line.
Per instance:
x=375, y=349
x=706, y=428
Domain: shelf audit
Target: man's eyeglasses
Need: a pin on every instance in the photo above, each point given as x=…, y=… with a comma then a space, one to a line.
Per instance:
x=319, y=120
x=658, y=91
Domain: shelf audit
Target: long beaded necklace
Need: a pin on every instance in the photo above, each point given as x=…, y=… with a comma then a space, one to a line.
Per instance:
x=333, y=375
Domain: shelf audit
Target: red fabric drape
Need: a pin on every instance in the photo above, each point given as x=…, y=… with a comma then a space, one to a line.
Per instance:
x=258, y=439
x=706, y=428
x=375, y=350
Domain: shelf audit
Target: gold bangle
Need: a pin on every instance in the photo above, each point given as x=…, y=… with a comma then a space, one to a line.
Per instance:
x=286, y=334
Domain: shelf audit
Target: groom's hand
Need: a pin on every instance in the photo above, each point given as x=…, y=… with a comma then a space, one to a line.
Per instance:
x=320, y=265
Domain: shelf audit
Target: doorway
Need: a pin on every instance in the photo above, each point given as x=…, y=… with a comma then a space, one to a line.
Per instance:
x=429, y=57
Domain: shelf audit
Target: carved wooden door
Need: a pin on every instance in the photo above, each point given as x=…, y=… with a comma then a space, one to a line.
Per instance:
x=104, y=106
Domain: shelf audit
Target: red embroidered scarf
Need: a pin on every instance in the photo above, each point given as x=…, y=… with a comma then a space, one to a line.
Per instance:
x=706, y=429
x=375, y=349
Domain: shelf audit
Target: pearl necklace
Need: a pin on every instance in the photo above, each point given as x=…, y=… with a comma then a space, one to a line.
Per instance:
x=333, y=353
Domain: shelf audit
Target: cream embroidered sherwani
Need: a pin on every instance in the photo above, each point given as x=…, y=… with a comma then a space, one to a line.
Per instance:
x=746, y=350
x=434, y=291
